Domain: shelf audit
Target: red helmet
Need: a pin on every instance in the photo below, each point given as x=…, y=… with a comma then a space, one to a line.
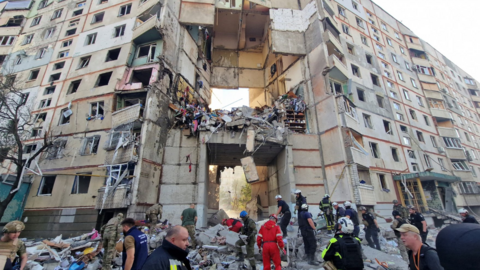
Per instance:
x=224, y=221
x=273, y=216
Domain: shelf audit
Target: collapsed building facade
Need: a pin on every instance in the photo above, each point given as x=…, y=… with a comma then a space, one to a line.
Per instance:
x=386, y=115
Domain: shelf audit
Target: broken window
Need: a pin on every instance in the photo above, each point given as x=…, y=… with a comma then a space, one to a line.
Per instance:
x=49, y=33
x=90, y=39
x=374, y=150
x=46, y=185
x=375, y=80
x=364, y=40
x=28, y=39
x=404, y=129
x=413, y=114
x=124, y=10
x=73, y=23
x=147, y=51
x=346, y=29
x=39, y=118
x=6, y=40
x=388, y=127
x=369, y=58
x=411, y=154
x=114, y=138
x=36, y=132
x=54, y=77
x=112, y=55
x=460, y=165
x=415, y=167
x=98, y=17
x=33, y=74
x=84, y=61
x=27, y=149
x=367, y=120
x=65, y=116
x=57, y=13
x=36, y=21
x=90, y=145
x=395, y=154
x=77, y=12
x=383, y=183
x=420, y=136
x=380, y=101
x=442, y=165
x=127, y=100
x=96, y=108
x=103, y=79
x=67, y=43
x=335, y=87
x=425, y=118
x=71, y=32
x=359, y=22
x=63, y=54
x=351, y=49
x=41, y=53
x=143, y=76
x=73, y=87
x=81, y=183
x=361, y=94
x=341, y=11
x=356, y=71
x=45, y=103
x=406, y=140
x=56, y=150
x=119, y=31
x=428, y=164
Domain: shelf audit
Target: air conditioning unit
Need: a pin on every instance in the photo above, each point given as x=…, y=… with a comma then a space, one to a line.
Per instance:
x=441, y=150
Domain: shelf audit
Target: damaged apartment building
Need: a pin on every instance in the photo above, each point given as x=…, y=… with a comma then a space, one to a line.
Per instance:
x=386, y=115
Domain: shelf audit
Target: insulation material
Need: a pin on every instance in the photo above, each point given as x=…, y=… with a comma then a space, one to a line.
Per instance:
x=292, y=20
x=197, y=14
x=250, y=169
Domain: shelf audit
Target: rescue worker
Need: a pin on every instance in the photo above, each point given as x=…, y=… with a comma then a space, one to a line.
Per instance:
x=352, y=214
x=111, y=233
x=189, y=220
x=233, y=224
x=308, y=231
x=397, y=206
x=371, y=228
x=247, y=237
x=11, y=245
x=344, y=250
x=154, y=213
x=284, y=209
x=340, y=211
x=397, y=223
x=301, y=200
x=466, y=217
x=325, y=205
x=269, y=242
x=417, y=220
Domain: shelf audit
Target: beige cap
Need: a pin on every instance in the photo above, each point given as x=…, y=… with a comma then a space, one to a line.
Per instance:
x=408, y=228
x=13, y=227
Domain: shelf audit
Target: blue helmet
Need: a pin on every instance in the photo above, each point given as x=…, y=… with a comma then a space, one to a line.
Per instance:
x=243, y=214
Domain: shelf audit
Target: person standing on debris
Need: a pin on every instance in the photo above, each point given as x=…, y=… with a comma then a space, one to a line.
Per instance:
x=308, y=230
x=269, y=240
x=371, y=228
x=351, y=214
x=397, y=223
x=11, y=245
x=301, y=200
x=173, y=252
x=189, y=220
x=154, y=214
x=286, y=214
x=111, y=233
x=233, y=224
x=340, y=211
x=247, y=237
x=326, y=206
x=344, y=250
x=135, y=247
x=397, y=206
x=420, y=255
x=418, y=221
x=466, y=217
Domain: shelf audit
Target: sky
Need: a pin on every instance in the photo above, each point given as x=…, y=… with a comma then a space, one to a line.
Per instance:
x=228, y=98
x=450, y=26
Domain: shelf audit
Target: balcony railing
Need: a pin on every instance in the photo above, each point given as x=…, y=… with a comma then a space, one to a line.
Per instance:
x=127, y=115
x=367, y=195
x=119, y=198
x=338, y=70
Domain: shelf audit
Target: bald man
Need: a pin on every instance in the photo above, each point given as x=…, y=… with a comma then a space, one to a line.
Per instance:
x=172, y=254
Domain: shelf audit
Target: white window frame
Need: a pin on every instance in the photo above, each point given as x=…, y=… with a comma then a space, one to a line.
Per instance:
x=36, y=21
x=406, y=140
x=28, y=39
x=57, y=14
x=406, y=95
x=414, y=84
x=90, y=39
x=121, y=30
x=442, y=165
x=6, y=40
x=90, y=143
x=400, y=76
x=98, y=104
x=128, y=10
x=345, y=29
x=394, y=58
x=84, y=61
x=42, y=183
x=341, y=11
x=367, y=121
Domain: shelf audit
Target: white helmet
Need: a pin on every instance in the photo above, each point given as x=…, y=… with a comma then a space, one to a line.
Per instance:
x=462, y=211
x=297, y=191
x=335, y=203
x=347, y=203
x=347, y=225
x=278, y=196
x=305, y=206
x=326, y=196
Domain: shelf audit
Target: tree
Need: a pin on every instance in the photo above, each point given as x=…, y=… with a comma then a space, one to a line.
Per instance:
x=15, y=127
x=245, y=194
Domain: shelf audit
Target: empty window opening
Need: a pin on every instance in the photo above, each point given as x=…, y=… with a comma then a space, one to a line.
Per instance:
x=380, y=101
x=112, y=55
x=71, y=32
x=46, y=185
x=90, y=145
x=383, y=183
x=395, y=154
x=49, y=90
x=77, y=12
x=65, y=116
x=98, y=17
x=103, y=79
x=84, y=61
x=27, y=149
x=388, y=127
x=143, y=76
x=73, y=87
x=336, y=87
x=356, y=71
x=81, y=183
x=420, y=136
x=375, y=80
x=54, y=77
x=33, y=74
x=374, y=150
x=39, y=118
x=361, y=94
x=369, y=58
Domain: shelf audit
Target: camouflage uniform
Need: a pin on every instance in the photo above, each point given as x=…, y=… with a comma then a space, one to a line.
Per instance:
x=402, y=210
x=16, y=247
x=250, y=230
x=154, y=213
x=110, y=235
x=191, y=233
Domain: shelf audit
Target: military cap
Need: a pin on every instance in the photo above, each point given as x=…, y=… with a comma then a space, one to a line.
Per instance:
x=13, y=227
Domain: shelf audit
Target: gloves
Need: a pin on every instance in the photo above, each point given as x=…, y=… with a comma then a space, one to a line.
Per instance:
x=378, y=229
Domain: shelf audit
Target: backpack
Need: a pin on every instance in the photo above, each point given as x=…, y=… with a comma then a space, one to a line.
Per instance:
x=235, y=221
x=401, y=221
x=351, y=252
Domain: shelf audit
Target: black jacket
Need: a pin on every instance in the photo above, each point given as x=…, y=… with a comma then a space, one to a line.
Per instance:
x=167, y=256
x=470, y=219
x=428, y=259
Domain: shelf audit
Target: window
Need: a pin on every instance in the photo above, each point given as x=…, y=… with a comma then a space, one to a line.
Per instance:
x=380, y=101
x=396, y=106
x=414, y=84
x=376, y=38
x=369, y=59
x=442, y=165
x=81, y=183
x=65, y=116
x=28, y=39
x=45, y=103
x=73, y=23
x=84, y=61
x=394, y=95
x=420, y=101
x=67, y=43
x=73, y=87
x=54, y=77
x=381, y=55
x=452, y=142
x=390, y=84
x=119, y=31
x=383, y=183
x=36, y=132
x=112, y=55
x=400, y=75
x=124, y=10
x=361, y=94
x=359, y=22
x=114, y=138
x=364, y=39
x=404, y=129
x=402, y=50
x=427, y=122
x=103, y=79
x=6, y=40
x=467, y=137
x=335, y=87
x=42, y=4
x=147, y=51
x=394, y=58
x=77, y=12
x=102, y=2
x=468, y=187
x=395, y=154
x=388, y=127
x=27, y=149
x=389, y=41
x=356, y=71
x=406, y=140
x=374, y=150
x=345, y=29
x=46, y=185
x=415, y=167
x=36, y=21
x=374, y=30
x=406, y=95
x=413, y=114
x=420, y=136
x=469, y=81
x=397, y=35
x=96, y=108
x=58, y=65
x=367, y=120
x=474, y=173
x=460, y=165
x=98, y=17
x=33, y=74
x=57, y=13
x=375, y=80
x=411, y=154
x=399, y=116
x=49, y=90
x=355, y=5
x=384, y=26
x=41, y=53
x=90, y=145
x=90, y=39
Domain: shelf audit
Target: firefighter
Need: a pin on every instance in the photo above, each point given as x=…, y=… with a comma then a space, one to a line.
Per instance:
x=325, y=205
x=284, y=209
x=308, y=230
x=269, y=241
x=466, y=217
x=340, y=211
x=233, y=224
x=247, y=237
x=300, y=200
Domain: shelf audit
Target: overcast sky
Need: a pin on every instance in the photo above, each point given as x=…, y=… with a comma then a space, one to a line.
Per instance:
x=450, y=26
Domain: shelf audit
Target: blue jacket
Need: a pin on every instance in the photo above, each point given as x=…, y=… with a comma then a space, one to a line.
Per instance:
x=166, y=257
x=141, y=249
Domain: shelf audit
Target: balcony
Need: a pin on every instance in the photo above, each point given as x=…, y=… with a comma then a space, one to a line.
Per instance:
x=475, y=98
x=122, y=155
x=367, y=195
x=441, y=115
x=426, y=78
x=464, y=175
x=332, y=42
x=478, y=110
x=415, y=46
x=472, y=199
x=11, y=30
x=147, y=6
x=433, y=94
x=146, y=30
x=420, y=61
x=338, y=70
x=127, y=115
x=119, y=199
x=446, y=132
x=455, y=153
x=361, y=158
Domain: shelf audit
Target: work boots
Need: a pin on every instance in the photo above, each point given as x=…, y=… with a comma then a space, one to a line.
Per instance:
x=240, y=257
x=311, y=260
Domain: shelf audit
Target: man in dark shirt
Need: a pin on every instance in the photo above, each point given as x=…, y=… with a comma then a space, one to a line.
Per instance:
x=417, y=220
x=466, y=217
x=286, y=214
x=135, y=246
x=371, y=229
x=352, y=215
x=340, y=211
x=301, y=200
x=308, y=230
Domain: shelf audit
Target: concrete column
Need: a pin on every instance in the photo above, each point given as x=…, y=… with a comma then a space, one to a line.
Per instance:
x=202, y=184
